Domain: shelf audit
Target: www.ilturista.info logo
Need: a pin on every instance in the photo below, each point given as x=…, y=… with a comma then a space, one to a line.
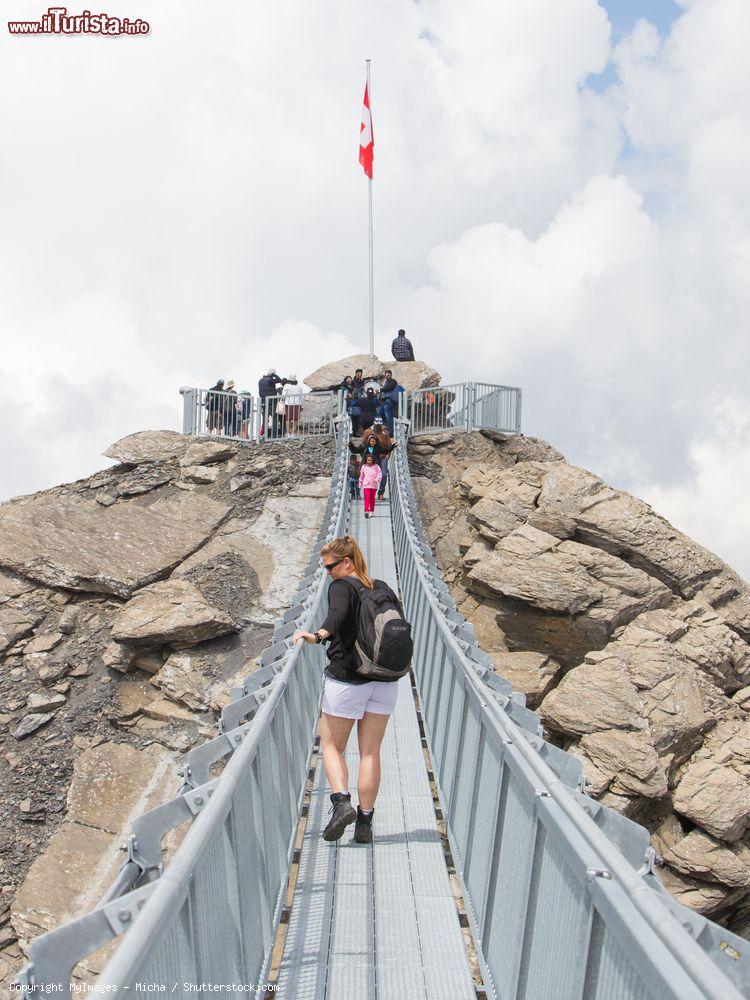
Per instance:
x=57, y=21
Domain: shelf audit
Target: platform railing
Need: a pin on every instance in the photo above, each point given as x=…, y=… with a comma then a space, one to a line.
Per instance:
x=463, y=406
x=221, y=415
x=560, y=890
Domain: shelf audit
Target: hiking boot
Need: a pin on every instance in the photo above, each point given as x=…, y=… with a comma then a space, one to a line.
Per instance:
x=343, y=814
x=363, y=828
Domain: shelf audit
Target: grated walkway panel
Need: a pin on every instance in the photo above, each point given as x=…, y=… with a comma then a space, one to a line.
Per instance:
x=377, y=921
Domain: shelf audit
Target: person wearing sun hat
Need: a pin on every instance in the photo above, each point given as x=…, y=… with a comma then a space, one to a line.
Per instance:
x=229, y=410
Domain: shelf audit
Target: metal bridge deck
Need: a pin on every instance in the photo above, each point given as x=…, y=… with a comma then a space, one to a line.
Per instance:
x=377, y=921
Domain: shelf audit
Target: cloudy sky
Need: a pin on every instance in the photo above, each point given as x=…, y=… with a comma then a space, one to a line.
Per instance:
x=561, y=203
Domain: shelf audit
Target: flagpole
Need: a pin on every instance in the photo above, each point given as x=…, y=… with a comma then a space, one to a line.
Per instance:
x=369, y=194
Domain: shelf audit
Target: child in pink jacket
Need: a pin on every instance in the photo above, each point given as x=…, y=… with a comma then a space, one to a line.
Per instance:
x=369, y=480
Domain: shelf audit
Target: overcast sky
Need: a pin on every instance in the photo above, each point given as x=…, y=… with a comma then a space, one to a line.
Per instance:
x=561, y=202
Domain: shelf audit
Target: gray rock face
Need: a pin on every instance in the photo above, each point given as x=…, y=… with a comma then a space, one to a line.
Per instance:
x=663, y=676
x=148, y=446
x=409, y=374
x=276, y=558
x=79, y=545
x=640, y=638
x=173, y=612
x=560, y=598
x=714, y=791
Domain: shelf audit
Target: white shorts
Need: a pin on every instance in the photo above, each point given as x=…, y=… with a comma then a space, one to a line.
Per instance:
x=351, y=701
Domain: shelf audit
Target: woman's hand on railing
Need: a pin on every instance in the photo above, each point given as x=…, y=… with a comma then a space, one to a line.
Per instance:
x=307, y=636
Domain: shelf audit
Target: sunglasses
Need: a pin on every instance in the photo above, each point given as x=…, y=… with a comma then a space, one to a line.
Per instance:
x=333, y=565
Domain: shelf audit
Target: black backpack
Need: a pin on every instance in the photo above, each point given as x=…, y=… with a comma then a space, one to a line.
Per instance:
x=383, y=648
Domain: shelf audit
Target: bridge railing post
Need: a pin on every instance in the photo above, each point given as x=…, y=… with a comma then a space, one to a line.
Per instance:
x=190, y=403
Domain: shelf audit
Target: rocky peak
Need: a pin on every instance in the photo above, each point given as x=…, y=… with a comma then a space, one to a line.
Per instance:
x=130, y=604
x=629, y=638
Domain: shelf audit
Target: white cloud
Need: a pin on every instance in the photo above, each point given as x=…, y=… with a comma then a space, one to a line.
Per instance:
x=709, y=503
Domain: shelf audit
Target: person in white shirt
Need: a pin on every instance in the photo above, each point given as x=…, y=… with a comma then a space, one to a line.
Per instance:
x=292, y=398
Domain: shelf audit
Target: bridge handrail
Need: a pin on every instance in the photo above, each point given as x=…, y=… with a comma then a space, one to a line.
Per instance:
x=576, y=894
x=213, y=912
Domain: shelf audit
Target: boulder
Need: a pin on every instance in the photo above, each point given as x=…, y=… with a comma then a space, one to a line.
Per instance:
x=559, y=598
x=200, y=474
x=409, y=374
x=664, y=658
x=172, y=611
x=710, y=899
x=714, y=791
x=596, y=696
x=532, y=673
x=319, y=488
x=182, y=680
x=43, y=643
x=624, y=525
x=702, y=856
x=570, y=502
x=207, y=452
x=16, y=623
x=77, y=544
x=45, y=701
x=12, y=586
x=628, y=761
x=30, y=723
x=118, y=657
x=148, y=446
x=165, y=710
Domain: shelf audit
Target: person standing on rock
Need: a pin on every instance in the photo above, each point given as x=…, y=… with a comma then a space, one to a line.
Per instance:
x=358, y=384
x=388, y=390
x=369, y=480
x=401, y=348
x=347, y=695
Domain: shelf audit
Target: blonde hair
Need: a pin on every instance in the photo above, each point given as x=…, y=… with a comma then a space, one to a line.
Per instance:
x=344, y=547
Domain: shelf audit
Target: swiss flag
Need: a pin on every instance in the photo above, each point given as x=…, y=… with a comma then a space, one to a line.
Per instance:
x=366, y=141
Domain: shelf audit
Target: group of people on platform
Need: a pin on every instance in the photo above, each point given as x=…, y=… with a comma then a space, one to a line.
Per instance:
x=230, y=412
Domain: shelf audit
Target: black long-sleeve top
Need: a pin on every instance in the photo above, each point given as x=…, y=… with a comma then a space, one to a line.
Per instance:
x=341, y=622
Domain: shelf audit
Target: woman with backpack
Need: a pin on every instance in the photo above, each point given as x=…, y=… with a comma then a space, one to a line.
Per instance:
x=356, y=687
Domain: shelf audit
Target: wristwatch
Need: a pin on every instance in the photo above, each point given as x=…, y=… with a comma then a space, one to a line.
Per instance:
x=318, y=637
